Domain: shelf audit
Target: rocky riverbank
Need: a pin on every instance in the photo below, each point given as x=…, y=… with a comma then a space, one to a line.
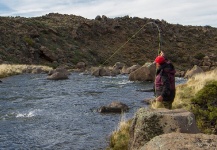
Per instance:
x=191, y=124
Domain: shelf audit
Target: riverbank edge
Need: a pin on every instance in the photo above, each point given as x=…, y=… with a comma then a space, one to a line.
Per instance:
x=119, y=139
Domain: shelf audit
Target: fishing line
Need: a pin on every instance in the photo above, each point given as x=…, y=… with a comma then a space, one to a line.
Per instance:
x=133, y=36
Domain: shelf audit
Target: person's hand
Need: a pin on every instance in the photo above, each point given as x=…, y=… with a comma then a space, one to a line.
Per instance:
x=159, y=98
x=161, y=53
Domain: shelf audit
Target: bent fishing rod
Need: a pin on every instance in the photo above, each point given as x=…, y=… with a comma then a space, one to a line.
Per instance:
x=133, y=36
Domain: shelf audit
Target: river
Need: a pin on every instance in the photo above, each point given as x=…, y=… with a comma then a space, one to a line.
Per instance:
x=36, y=113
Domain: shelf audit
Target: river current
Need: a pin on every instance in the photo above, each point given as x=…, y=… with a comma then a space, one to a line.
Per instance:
x=36, y=113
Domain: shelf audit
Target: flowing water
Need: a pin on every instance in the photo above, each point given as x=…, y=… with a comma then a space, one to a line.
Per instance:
x=36, y=113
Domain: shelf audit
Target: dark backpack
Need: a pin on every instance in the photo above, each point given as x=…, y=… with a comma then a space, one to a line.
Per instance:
x=170, y=71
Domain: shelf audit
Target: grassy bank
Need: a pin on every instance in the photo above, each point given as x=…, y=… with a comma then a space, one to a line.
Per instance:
x=199, y=95
x=185, y=92
x=14, y=69
x=120, y=137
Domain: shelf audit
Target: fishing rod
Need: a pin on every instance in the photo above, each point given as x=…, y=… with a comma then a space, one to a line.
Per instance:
x=133, y=36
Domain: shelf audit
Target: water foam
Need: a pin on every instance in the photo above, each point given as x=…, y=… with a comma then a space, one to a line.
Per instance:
x=124, y=82
x=28, y=114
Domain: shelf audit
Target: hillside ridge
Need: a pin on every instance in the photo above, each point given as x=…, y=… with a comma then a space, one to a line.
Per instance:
x=68, y=39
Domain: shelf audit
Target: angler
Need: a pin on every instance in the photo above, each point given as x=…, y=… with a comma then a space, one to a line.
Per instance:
x=164, y=83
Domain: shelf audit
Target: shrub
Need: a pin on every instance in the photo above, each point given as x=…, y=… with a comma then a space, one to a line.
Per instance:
x=199, y=56
x=28, y=41
x=204, y=106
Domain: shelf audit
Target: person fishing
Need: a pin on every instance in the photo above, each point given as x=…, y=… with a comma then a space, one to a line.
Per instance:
x=164, y=83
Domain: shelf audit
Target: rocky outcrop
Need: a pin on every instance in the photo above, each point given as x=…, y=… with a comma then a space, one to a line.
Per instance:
x=100, y=71
x=195, y=70
x=175, y=141
x=114, y=107
x=149, y=123
x=105, y=71
x=47, y=54
x=118, y=68
x=144, y=73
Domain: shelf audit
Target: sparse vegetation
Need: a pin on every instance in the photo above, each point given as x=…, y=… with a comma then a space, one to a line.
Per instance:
x=103, y=37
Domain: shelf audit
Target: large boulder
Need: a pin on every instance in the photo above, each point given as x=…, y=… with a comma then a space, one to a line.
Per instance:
x=195, y=70
x=118, y=65
x=148, y=123
x=182, y=141
x=104, y=71
x=114, y=107
x=37, y=70
x=81, y=65
x=132, y=68
x=58, y=74
x=114, y=71
x=144, y=73
x=124, y=70
x=100, y=71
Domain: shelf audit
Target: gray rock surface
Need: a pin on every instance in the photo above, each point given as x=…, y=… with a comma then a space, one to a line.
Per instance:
x=182, y=141
x=148, y=123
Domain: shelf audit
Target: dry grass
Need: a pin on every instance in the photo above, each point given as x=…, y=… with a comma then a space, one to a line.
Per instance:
x=185, y=92
x=120, y=137
x=13, y=69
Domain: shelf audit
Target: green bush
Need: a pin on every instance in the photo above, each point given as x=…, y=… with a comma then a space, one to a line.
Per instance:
x=204, y=106
x=29, y=41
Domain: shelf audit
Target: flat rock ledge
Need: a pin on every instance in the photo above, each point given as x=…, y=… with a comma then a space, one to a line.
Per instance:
x=182, y=141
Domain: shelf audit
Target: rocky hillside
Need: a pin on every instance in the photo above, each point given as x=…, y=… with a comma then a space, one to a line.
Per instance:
x=56, y=39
